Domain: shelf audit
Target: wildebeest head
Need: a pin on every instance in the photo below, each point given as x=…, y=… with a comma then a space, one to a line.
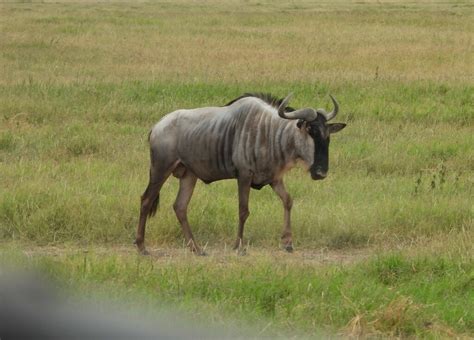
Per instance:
x=314, y=122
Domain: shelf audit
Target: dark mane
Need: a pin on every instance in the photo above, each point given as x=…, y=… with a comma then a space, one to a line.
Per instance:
x=266, y=97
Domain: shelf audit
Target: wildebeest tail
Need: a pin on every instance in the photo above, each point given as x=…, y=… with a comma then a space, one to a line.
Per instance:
x=152, y=194
x=154, y=206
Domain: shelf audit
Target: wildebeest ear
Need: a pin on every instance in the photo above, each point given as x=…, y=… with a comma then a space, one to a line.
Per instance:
x=301, y=123
x=336, y=127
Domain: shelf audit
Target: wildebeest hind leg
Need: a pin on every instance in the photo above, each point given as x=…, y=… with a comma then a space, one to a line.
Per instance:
x=187, y=182
x=149, y=203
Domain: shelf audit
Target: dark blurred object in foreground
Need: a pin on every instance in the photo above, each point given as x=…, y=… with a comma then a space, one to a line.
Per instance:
x=30, y=309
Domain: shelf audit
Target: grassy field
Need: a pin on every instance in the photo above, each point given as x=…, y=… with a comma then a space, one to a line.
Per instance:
x=81, y=83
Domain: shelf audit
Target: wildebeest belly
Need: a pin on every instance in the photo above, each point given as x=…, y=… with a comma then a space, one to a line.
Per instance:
x=208, y=171
x=208, y=152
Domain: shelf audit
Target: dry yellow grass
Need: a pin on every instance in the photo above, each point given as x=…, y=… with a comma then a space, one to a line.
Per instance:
x=237, y=42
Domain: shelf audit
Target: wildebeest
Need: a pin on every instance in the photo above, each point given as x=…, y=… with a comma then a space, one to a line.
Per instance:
x=255, y=138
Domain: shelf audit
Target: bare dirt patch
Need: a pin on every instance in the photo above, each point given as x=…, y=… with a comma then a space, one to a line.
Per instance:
x=216, y=255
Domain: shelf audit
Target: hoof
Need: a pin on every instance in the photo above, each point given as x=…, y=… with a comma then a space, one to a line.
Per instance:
x=239, y=244
x=143, y=252
x=200, y=253
x=141, y=248
x=241, y=251
x=197, y=251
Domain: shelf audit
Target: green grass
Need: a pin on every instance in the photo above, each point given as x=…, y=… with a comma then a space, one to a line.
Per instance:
x=391, y=294
x=81, y=84
x=414, y=172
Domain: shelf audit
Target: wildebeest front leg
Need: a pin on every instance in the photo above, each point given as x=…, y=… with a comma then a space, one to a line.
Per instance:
x=186, y=187
x=280, y=190
x=244, y=191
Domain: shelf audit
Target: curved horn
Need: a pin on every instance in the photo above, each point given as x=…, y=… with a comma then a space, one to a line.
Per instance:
x=306, y=114
x=331, y=114
x=283, y=105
